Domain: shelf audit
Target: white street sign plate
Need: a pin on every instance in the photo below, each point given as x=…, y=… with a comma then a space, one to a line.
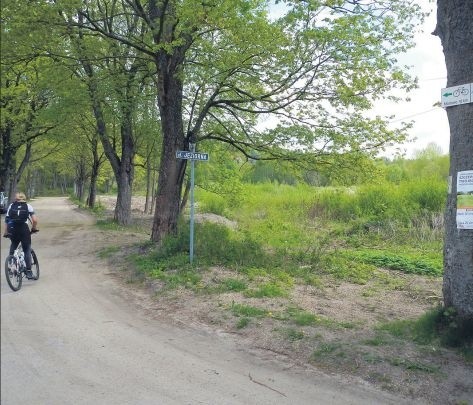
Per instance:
x=184, y=154
x=457, y=95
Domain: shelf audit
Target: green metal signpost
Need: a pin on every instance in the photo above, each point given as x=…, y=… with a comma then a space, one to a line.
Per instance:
x=192, y=155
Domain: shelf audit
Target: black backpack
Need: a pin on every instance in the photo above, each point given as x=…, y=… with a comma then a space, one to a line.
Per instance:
x=18, y=212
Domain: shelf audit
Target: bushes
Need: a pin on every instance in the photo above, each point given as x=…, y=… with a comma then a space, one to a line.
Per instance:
x=217, y=244
x=308, y=233
x=401, y=262
x=440, y=325
x=382, y=202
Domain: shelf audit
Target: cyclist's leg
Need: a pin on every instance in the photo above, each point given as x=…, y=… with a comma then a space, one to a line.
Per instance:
x=26, y=244
x=14, y=244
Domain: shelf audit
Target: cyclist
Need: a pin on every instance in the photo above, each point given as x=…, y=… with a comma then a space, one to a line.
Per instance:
x=16, y=227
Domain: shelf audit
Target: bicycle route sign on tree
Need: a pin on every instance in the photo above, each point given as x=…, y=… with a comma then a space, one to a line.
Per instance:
x=457, y=95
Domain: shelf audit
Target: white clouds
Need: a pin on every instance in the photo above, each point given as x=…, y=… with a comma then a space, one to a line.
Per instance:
x=428, y=64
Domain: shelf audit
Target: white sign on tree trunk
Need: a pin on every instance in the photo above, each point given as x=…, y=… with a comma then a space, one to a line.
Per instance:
x=457, y=95
x=465, y=200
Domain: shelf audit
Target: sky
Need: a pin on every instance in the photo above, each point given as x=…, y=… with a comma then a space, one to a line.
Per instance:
x=426, y=61
x=428, y=64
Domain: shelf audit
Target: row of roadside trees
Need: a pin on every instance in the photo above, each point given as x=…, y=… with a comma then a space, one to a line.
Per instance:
x=115, y=79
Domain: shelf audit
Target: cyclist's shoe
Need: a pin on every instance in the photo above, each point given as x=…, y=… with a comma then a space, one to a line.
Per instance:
x=29, y=274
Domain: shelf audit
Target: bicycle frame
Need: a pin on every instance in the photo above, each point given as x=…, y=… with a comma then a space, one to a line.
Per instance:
x=15, y=268
x=19, y=256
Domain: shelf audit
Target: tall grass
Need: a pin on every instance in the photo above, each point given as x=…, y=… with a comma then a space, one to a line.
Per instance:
x=308, y=232
x=405, y=202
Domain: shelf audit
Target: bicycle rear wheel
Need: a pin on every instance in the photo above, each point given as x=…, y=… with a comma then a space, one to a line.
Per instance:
x=34, y=265
x=13, y=273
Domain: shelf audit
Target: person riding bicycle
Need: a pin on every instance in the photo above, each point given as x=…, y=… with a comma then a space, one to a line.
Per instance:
x=16, y=221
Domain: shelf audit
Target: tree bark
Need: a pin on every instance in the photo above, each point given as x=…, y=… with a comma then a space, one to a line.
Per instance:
x=169, y=61
x=93, y=186
x=170, y=170
x=80, y=179
x=455, y=29
x=123, y=167
x=147, y=208
x=7, y=155
x=126, y=171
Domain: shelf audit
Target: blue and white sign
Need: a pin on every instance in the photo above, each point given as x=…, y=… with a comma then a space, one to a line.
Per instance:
x=184, y=154
x=457, y=95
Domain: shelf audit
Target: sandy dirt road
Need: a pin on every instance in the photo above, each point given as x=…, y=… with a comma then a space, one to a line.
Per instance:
x=79, y=336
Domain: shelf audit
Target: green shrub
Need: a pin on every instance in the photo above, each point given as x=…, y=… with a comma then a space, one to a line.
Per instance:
x=380, y=202
x=270, y=289
x=248, y=311
x=243, y=323
x=331, y=349
x=343, y=268
x=217, y=244
x=334, y=204
x=440, y=325
x=304, y=318
x=293, y=335
x=212, y=203
x=427, y=194
x=399, y=262
x=233, y=284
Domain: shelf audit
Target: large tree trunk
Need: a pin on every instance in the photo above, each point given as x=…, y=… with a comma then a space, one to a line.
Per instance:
x=10, y=175
x=171, y=169
x=455, y=29
x=170, y=95
x=126, y=172
x=94, y=175
x=122, y=166
x=80, y=179
x=149, y=187
x=93, y=187
x=7, y=153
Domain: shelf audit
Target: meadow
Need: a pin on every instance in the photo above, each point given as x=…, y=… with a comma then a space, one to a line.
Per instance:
x=305, y=231
x=343, y=277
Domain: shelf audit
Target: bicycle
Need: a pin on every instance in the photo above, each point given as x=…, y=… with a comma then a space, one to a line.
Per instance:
x=462, y=90
x=15, y=267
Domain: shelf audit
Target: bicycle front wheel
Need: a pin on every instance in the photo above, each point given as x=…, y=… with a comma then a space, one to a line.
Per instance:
x=13, y=273
x=34, y=265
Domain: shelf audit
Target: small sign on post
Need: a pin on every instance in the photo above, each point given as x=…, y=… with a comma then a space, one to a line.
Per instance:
x=184, y=154
x=192, y=155
x=465, y=199
x=457, y=95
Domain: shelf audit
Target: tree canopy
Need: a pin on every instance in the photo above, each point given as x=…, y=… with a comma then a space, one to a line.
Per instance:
x=293, y=88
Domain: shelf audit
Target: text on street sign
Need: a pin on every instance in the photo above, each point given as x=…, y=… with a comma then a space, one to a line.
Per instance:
x=183, y=154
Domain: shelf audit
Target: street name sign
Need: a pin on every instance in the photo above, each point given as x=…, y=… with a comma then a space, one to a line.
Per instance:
x=192, y=155
x=457, y=95
x=184, y=154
